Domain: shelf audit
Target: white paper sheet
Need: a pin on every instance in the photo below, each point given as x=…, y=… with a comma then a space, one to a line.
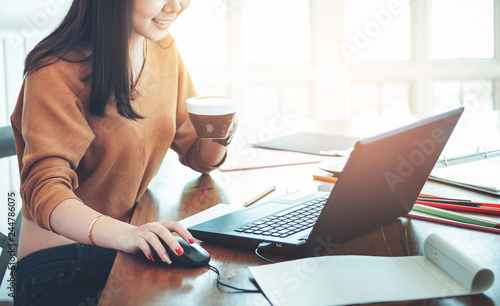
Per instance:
x=338, y=280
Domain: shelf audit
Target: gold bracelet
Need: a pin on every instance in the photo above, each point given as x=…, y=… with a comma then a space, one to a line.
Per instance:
x=92, y=227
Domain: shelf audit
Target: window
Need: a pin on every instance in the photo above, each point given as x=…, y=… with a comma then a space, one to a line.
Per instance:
x=377, y=31
x=267, y=99
x=463, y=29
x=371, y=99
x=343, y=59
x=202, y=33
x=475, y=95
x=259, y=54
x=463, y=43
x=278, y=31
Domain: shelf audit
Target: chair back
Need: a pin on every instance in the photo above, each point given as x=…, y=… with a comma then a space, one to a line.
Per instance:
x=7, y=144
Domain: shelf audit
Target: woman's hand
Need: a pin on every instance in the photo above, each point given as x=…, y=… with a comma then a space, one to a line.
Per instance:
x=214, y=149
x=234, y=126
x=145, y=237
x=71, y=218
x=230, y=133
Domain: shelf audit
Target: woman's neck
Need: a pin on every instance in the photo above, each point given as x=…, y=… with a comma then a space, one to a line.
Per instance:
x=136, y=54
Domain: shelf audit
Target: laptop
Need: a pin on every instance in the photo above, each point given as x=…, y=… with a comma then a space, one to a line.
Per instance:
x=380, y=182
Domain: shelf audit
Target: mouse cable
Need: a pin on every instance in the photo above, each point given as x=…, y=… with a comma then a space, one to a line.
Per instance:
x=263, y=245
x=229, y=286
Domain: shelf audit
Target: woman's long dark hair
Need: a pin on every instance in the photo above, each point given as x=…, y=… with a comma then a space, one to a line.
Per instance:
x=105, y=26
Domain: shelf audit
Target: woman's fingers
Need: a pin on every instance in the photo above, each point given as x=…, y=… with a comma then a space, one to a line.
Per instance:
x=234, y=124
x=179, y=229
x=156, y=233
x=146, y=249
x=153, y=233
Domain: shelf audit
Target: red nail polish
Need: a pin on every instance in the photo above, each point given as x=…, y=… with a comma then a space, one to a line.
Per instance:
x=150, y=256
x=179, y=251
x=191, y=240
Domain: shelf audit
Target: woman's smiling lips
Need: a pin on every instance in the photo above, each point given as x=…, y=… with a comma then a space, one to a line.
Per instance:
x=163, y=24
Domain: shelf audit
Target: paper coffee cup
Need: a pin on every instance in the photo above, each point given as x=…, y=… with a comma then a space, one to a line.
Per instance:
x=211, y=115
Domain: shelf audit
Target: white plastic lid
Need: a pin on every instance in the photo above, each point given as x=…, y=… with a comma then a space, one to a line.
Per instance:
x=211, y=105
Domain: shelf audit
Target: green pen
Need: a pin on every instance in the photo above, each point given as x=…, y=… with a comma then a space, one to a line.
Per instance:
x=454, y=216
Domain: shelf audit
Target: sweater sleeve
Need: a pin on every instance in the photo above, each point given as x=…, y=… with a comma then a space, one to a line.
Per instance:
x=52, y=137
x=186, y=143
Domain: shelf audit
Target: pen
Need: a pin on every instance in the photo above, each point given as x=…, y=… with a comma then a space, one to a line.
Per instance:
x=454, y=216
x=434, y=199
x=260, y=196
x=329, y=179
x=456, y=202
x=427, y=196
x=427, y=200
x=477, y=209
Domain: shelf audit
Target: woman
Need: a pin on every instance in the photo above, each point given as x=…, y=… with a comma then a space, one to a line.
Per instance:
x=102, y=101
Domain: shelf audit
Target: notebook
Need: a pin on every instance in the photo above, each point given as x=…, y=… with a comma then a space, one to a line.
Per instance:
x=380, y=182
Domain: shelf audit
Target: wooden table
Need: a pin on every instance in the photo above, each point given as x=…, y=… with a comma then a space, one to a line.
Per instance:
x=178, y=192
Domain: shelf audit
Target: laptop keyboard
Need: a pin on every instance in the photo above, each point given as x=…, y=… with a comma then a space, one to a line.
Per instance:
x=288, y=222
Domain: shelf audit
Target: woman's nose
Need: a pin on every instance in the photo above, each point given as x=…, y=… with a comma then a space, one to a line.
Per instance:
x=172, y=6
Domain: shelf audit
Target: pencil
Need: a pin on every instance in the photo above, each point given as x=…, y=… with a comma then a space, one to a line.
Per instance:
x=329, y=179
x=454, y=216
x=259, y=196
x=451, y=222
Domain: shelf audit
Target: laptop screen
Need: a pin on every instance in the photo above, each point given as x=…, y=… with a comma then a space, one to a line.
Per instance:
x=381, y=180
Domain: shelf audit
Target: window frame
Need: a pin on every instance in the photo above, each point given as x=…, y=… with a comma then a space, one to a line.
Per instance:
x=328, y=74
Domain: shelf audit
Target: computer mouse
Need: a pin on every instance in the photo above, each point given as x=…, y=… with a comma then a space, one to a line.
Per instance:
x=194, y=255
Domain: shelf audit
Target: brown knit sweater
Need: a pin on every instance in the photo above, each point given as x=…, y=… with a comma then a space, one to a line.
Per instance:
x=64, y=152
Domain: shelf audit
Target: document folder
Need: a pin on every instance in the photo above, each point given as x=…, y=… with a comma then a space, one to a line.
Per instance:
x=478, y=171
